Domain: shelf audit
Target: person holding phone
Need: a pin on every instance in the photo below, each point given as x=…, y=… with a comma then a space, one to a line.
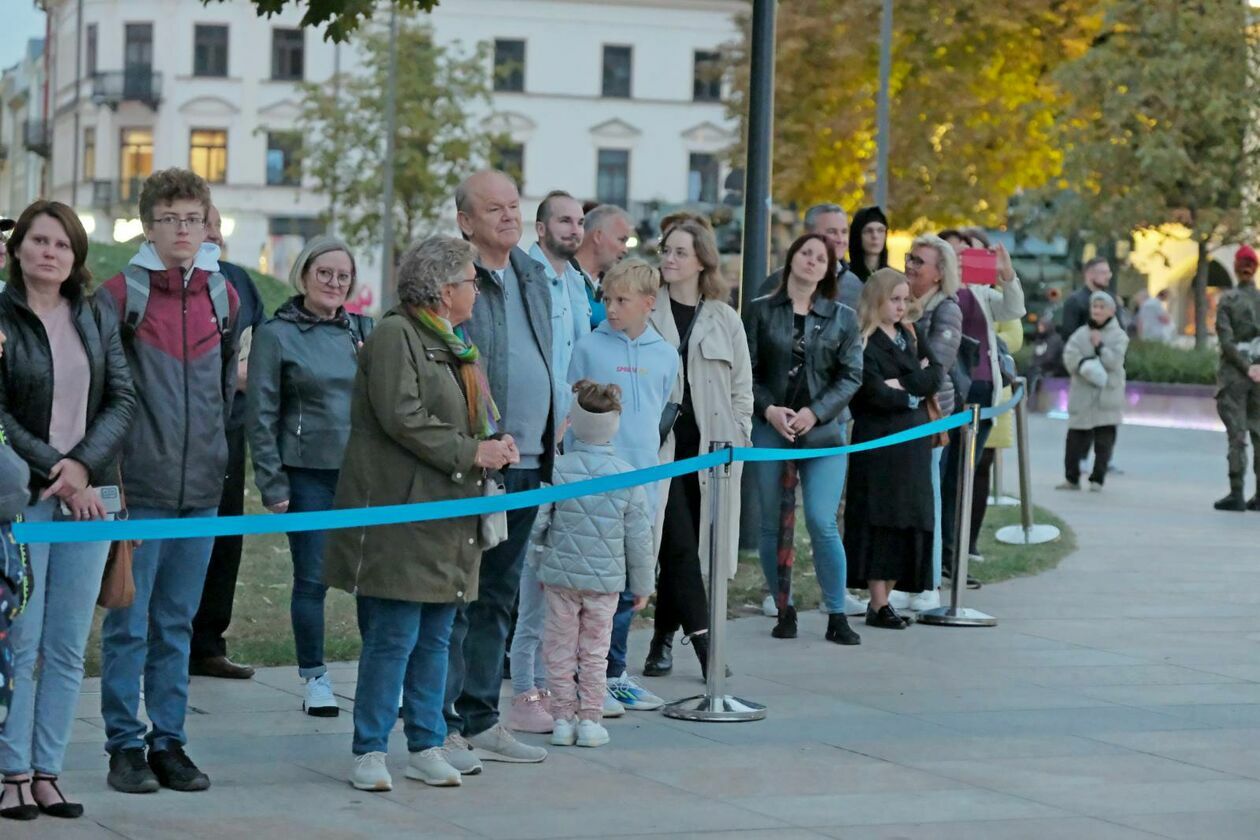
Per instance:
x=66, y=399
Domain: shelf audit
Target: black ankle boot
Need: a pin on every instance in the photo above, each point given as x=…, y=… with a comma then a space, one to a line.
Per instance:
x=660, y=658
x=839, y=631
x=700, y=642
x=786, y=628
x=1234, y=502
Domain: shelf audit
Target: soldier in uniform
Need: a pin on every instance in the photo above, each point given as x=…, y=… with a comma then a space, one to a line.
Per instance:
x=1238, y=397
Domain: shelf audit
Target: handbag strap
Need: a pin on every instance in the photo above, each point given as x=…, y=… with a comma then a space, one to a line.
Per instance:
x=686, y=336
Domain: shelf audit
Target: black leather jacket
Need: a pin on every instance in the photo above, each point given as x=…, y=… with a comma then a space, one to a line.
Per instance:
x=26, y=389
x=833, y=361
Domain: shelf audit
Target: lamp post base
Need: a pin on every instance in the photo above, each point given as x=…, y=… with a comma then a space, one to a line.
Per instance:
x=1034, y=535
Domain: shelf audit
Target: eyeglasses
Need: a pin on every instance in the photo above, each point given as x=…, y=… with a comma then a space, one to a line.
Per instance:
x=473, y=280
x=332, y=278
x=173, y=221
x=914, y=261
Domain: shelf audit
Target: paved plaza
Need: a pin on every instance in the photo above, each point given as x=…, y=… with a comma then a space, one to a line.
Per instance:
x=1118, y=699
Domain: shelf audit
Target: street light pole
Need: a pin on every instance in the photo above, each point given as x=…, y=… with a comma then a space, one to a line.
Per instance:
x=885, y=71
x=760, y=147
x=387, y=197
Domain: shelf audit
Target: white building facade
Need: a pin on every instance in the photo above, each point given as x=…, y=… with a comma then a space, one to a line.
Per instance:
x=25, y=141
x=611, y=100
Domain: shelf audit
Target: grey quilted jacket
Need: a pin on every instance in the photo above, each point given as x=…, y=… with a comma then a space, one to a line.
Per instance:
x=595, y=543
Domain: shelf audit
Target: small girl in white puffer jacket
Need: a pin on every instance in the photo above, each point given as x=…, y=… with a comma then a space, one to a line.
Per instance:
x=588, y=551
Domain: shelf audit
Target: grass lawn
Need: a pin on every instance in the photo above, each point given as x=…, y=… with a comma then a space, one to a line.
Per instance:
x=261, y=633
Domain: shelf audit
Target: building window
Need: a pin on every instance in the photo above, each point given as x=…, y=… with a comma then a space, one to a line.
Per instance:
x=617, y=65
x=89, y=50
x=612, y=177
x=135, y=161
x=702, y=178
x=89, y=154
x=509, y=65
x=210, y=50
x=207, y=154
x=284, y=158
x=287, y=54
x=706, y=84
x=509, y=157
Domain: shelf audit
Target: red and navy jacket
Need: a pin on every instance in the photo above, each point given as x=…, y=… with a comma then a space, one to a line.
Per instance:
x=175, y=454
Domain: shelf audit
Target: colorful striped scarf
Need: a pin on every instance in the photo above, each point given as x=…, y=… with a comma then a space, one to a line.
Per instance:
x=483, y=414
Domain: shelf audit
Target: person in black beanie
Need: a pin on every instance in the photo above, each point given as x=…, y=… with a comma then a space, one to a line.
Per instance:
x=868, y=244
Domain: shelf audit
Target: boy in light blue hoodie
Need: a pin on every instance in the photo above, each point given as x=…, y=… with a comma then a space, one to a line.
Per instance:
x=626, y=351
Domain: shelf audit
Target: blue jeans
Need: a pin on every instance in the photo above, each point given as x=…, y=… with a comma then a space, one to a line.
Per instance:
x=822, y=484
x=149, y=640
x=53, y=630
x=406, y=647
x=528, y=669
x=309, y=490
x=479, y=635
x=619, y=644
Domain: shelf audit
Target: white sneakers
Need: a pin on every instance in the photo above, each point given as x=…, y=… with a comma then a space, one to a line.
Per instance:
x=928, y=599
x=899, y=600
x=431, y=767
x=852, y=606
x=769, y=608
x=583, y=733
x=319, y=700
x=612, y=706
x=460, y=755
x=369, y=772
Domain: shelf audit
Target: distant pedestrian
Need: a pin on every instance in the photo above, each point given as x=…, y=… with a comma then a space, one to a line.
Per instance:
x=1238, y=378
x=1154, y=322
x=1094, y=357
x=868, y=242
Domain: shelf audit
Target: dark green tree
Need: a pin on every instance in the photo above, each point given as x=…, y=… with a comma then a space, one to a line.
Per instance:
x=442, y=95
x=1160, y=128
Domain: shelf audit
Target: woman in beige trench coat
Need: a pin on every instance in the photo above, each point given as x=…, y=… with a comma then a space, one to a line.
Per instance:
x=715, y=390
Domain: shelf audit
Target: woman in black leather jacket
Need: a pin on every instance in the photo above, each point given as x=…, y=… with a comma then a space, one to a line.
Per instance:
x=807, y=364
x=66, y=399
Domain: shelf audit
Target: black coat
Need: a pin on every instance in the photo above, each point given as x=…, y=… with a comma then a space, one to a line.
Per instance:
x=833, y=361
x=892, y=487
x=26, y=388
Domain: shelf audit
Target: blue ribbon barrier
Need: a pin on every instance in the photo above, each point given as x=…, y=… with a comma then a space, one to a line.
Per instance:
x=176, y=528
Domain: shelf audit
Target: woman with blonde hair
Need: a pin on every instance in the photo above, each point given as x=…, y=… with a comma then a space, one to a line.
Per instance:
x=888, y=517
x=714, y=401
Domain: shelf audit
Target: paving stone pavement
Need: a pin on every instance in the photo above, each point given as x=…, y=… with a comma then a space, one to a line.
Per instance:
x=1118, y=699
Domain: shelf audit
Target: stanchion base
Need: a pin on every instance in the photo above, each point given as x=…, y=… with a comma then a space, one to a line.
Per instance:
x=961, y=617
x=1003, y=501
x=722, y=709
x=1036, y=535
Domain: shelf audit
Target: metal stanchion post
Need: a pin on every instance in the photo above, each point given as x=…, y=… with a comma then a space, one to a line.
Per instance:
x=715, y=705
x=998, y=498
x=956, y=615
x=1027, y=532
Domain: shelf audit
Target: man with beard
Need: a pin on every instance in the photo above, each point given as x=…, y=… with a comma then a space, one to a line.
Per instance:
x=560, y=229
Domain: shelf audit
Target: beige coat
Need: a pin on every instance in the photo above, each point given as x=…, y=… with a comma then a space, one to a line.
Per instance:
x=1088, y=405
x=720, y=374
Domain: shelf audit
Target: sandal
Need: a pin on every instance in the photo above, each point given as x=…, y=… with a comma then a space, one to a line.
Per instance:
x=64, y=809
x=23, y=810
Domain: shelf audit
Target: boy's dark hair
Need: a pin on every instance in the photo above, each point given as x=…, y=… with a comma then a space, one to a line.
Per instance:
x=596, y=398
x=170, y=185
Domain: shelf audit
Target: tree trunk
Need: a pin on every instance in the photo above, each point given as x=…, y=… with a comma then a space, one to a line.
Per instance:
x=1200, y=297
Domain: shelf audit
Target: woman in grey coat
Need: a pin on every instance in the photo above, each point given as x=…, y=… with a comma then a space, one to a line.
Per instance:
x=301, y=372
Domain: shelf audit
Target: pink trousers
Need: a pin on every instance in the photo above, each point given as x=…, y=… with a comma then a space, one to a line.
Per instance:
x=575, y=641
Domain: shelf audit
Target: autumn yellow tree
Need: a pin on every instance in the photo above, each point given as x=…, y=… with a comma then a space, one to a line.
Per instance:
x=972, y=93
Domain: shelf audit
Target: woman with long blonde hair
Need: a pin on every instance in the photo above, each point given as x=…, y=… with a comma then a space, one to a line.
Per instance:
x=889, y=515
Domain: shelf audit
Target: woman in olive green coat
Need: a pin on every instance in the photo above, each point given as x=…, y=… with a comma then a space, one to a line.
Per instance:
x=421, y=426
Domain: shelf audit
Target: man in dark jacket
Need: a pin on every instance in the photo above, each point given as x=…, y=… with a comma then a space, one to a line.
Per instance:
x=208, y=657
x=1238, y=378
x=832, y=222
x=1097, y=276
x=181, y=349
x=511, y=326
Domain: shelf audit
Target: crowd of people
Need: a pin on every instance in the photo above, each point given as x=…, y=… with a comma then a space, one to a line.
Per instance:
x=499, y=370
